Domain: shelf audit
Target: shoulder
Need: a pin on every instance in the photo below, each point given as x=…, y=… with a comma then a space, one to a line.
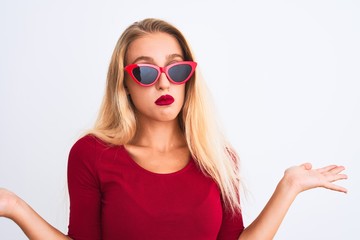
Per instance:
x=82, y=165
x=86, y=149
x=91, y=148
x=88, y=143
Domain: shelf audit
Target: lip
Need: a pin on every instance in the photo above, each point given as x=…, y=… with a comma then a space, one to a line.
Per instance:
x=164, y=100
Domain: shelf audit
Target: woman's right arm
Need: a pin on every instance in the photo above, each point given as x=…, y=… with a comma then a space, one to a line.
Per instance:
x=32, y=224
x=85, y=200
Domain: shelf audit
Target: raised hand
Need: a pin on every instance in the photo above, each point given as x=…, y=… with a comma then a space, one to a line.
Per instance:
x=303, y=177
x=295, y=180
x=33, y=225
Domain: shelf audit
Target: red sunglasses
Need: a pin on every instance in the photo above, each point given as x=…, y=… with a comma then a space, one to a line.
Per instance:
x=148, y=74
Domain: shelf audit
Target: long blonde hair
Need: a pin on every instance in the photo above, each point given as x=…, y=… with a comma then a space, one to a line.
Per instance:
x=116, y=123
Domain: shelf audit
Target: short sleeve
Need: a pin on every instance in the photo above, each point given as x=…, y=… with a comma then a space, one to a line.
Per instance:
x=84, y=191
x=231, y=227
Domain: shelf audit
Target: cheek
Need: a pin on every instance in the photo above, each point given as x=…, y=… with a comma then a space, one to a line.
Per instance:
x=179, y=95
x=132, y=87
x=140, y=96
x=127, y=84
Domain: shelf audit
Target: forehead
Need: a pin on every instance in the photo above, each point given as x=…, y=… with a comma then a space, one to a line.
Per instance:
x=156, y=46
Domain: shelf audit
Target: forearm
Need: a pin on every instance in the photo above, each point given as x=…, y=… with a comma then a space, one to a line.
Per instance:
x=296, y=179
x=267, y=223
x=33, y=225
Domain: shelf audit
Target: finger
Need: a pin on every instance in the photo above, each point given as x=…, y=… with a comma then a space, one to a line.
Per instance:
x=326, y=169
x=335, y=174
x=335, y=187
x=337, y=170
x=338, y=177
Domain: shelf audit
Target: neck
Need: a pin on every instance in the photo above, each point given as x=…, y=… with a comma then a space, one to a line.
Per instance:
x=160, y=136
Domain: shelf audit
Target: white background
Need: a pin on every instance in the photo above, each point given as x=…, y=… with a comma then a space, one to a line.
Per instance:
x=284, y=75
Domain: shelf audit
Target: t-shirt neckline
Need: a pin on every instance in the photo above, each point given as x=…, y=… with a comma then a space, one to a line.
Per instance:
x=134, y=163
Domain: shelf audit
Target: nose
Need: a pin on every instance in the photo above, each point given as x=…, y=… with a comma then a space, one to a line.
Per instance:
x=163, y=82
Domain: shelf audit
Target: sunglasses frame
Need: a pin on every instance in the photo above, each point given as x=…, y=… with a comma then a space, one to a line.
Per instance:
x=129, y=69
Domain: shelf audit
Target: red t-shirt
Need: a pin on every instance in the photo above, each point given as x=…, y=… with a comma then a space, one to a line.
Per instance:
x=112, y=197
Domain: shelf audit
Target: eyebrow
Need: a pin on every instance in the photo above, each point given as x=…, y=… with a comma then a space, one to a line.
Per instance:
x=150, y=59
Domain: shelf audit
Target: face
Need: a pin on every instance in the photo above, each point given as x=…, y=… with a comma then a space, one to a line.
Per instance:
x=163, y=100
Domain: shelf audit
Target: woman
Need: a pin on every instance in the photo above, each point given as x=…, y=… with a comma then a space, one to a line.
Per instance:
x=155, y=165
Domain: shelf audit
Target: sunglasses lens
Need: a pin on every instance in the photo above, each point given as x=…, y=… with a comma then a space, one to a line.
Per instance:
x=180, y=73
x=145, y=74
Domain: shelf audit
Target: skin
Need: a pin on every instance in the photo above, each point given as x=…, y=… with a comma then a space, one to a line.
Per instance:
x=32, y=224
x=295, y=180
x=159, y=146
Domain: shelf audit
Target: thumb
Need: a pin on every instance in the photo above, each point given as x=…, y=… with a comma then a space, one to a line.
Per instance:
x=306, y=166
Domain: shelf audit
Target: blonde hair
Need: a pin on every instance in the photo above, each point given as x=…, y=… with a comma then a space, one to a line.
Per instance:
x=116, y=123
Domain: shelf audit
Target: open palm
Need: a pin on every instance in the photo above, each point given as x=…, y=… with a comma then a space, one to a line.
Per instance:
x=303, y=177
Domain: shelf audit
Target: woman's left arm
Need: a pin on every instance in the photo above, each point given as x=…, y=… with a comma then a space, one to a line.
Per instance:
x=295, y=180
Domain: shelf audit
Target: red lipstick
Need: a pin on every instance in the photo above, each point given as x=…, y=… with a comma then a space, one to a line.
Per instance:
x=164, y=100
